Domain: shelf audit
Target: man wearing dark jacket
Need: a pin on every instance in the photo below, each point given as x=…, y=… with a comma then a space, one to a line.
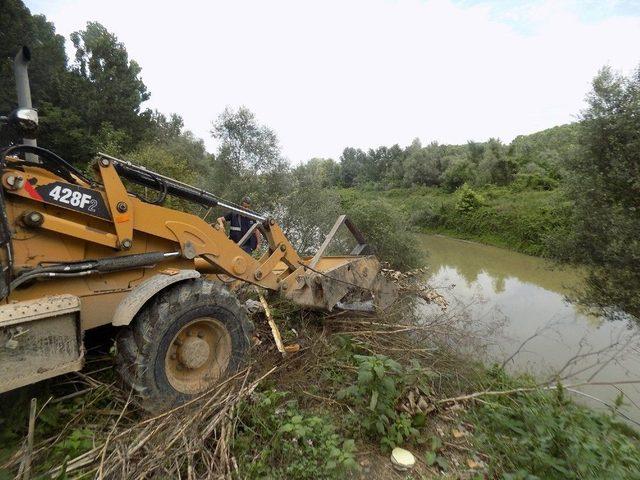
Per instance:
x=240, y=225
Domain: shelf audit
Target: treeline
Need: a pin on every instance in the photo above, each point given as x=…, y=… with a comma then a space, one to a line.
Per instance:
x=535, y=161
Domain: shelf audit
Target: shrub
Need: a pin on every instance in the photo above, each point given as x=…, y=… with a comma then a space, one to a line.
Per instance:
x=379, y=384
x=533, y=181
x=387, y=231
x=468, y=200
x=542, y=434
x=276, y=439
x=457, y=174
x=426, y=216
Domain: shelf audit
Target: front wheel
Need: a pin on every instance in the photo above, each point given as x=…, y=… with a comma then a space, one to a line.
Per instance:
x=184, y=340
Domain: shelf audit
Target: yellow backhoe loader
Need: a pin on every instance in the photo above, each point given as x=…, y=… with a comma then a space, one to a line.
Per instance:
x=79, y=252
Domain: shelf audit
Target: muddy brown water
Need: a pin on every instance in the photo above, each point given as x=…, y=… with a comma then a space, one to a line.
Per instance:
x=527, y=296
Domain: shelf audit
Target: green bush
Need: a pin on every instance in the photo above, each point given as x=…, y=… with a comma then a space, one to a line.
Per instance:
x=275, y=439
x=427, y=216
x=379, y=384
x=386, y=230
x=467, y=200
x=527, y=221
x=544, y=435
x=533, y=181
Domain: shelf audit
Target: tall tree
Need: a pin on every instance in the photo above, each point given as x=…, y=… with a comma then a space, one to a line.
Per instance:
x=496, y=166
x=47, y=70
x=96, y=104
x=249, y=160
x=424, y=166
x=244, y=143
x=115, y=90
x=604, y=184
x=352, y=163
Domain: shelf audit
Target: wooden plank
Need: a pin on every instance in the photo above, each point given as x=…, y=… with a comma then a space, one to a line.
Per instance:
x=274, y=328
x=327, y=240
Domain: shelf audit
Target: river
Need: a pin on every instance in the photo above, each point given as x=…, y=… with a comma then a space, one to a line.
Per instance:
x=526, y=296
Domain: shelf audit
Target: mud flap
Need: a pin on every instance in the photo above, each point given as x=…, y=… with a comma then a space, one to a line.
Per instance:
x=39, y=339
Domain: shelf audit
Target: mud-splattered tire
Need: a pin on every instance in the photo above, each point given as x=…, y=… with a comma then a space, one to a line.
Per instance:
x=184, y=340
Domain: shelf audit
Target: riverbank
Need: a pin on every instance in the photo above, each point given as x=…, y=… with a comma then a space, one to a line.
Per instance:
x=522, y=220
x=356, y=388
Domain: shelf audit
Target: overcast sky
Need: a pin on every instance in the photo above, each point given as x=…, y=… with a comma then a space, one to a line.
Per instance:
x=330, y=74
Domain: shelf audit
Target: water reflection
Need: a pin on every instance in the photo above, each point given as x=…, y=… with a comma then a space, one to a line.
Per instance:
x=527, y=295
x=471, y=259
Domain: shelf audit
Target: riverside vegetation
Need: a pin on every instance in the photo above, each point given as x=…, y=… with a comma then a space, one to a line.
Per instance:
x=358, y=386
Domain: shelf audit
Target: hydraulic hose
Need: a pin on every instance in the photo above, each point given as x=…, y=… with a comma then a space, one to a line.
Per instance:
x=52, y=162
x=88, y=267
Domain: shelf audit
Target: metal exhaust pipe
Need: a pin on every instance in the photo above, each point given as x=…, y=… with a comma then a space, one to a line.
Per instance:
x=21, y=72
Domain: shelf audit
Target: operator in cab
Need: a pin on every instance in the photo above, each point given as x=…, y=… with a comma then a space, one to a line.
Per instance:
x=240, y=225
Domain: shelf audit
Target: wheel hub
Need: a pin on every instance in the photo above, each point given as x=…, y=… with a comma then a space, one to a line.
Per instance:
x=194, y=352
x=198, y=355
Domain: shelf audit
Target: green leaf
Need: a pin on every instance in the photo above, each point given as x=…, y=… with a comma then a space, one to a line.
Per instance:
x=430, y=458
x=393, y=365
x=419, y=420
x=374, y=400
x=436, y=443
x=365, y=376
x=388, y=384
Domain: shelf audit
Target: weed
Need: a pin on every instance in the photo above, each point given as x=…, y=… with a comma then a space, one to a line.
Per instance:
x=378, y=386
x=543, y=434
x=276, y=439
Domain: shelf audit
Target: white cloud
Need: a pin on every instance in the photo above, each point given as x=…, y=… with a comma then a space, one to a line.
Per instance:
x=364, y=73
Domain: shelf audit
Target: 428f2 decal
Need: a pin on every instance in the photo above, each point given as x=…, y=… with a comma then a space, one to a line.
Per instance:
x=74, y=197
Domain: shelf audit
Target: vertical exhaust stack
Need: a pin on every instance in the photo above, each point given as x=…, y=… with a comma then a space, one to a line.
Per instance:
x=23, y=90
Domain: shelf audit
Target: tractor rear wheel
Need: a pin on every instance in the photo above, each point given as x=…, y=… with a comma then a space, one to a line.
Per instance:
x=184, y=340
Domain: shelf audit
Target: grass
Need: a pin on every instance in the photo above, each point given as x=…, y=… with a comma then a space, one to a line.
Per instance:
x=522, y=220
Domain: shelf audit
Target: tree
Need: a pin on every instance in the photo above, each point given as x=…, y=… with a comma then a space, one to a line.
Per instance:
x=394, y=174
x=475, y=151
x=47, y=69
x=496, y=166
x=170, y=134
x=318, y=173
x=245, y=145
x=424, y=166
x=248, y=161
x=459, y=172
x=112, y=91
x=351, y=166
x=604, y=184
x=159, y=159
x=95, y=104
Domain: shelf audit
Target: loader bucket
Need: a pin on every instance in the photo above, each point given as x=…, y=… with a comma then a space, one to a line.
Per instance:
x=344, y=281
x=351, y=282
